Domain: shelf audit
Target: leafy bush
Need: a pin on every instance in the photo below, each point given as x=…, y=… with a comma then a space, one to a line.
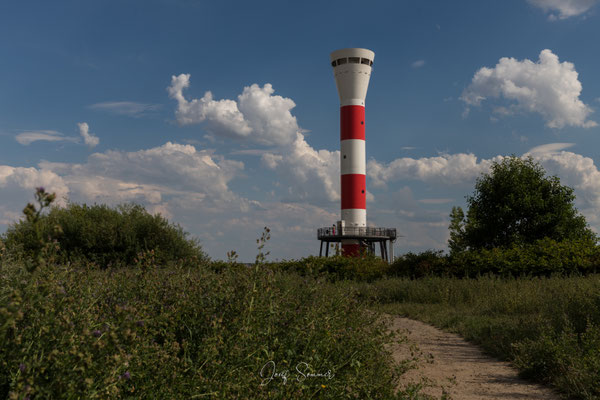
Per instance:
x=417, y=265
x=104, y=236
x=71, y=332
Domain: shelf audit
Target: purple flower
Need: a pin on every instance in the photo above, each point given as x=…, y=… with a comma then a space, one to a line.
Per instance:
x=22, y=367
x=140, y=323
x=97, y=333
x=126, y=375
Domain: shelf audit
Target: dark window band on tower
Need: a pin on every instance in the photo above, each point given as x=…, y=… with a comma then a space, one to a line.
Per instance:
x=353, y=60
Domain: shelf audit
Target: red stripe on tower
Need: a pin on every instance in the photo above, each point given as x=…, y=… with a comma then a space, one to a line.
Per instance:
x=354, y=191
x=352, y=122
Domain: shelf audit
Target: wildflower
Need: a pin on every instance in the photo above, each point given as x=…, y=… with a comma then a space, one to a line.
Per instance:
x=323, y=386
x=140, y=323
x=97, y=333
x=126, y=375
x=22, y=367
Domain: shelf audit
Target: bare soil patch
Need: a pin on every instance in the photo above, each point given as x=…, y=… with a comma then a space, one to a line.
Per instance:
x=449, y=366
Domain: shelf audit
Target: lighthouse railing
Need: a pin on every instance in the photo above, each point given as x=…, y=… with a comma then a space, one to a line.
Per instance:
x=352, y=231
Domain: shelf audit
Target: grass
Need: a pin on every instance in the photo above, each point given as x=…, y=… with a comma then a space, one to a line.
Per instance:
x=549, y=328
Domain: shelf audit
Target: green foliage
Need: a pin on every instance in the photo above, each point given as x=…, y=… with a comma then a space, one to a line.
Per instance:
x=544, y=257
x=567, y=359
x=541, y=258
x=261, y=242
x=457, y=243
x=549, y=328
x=102, y=236
x=41, y=248
x=517, y=204
x=417, y=265
x=175, y=333
x=366, y=268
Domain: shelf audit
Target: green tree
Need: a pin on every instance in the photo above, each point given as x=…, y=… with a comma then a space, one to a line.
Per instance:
x=516, y=203
x=456, y=243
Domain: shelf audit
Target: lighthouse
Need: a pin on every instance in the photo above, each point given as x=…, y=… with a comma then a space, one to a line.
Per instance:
x=352, y=71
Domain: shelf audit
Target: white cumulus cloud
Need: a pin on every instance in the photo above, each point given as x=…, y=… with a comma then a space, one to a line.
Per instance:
x=89, y=139
x=548, y=87
x=311, y=175
x=256, y=115
x=565, y=8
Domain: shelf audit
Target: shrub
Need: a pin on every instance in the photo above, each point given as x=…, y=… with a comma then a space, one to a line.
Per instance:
x=104, y=236
x=417, y=265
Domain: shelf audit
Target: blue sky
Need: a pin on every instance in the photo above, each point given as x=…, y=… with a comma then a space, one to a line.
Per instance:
x=223, y=116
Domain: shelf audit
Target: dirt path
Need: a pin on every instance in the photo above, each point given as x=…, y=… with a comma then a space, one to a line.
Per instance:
x=448, y=364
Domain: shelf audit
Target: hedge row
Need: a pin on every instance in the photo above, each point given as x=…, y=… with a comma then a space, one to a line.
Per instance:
x=543, y=258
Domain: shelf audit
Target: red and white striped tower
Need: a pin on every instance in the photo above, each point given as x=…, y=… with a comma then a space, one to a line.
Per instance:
x=352, y=70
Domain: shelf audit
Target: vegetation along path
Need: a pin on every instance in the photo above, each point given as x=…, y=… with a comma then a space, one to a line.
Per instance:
x=449, y=365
